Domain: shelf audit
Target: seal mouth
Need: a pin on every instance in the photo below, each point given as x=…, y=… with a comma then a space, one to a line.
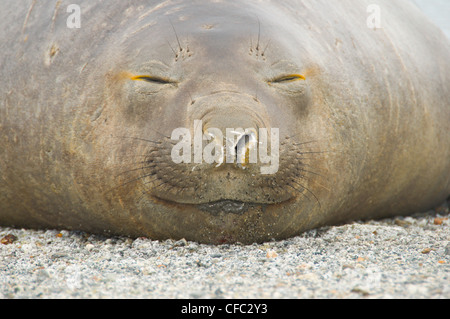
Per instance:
x=224, y=206
x=227, y=206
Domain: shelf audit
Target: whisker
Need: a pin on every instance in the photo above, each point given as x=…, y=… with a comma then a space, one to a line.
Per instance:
x=259, y=34
x=264, y=51
x=307, y=165
x=136, y=169
x=153, y=180
x=190, y=96
x=140, y=139
x=146, y=190
x=146, y=183
x=299, y=133
x=320, y=206
x=303, y=153
x=304, y=143
x=317, y=183
x=176, y=35
x=314, y=173
x=302, y=193
x=173, y=50
x=139, y=156
x=170, y=187
x=133, y=165
x=132, y=181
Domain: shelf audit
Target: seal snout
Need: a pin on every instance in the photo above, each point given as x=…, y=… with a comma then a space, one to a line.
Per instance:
x=232, y=121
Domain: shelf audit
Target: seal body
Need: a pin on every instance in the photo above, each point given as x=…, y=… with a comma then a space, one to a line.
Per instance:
x=87, y=116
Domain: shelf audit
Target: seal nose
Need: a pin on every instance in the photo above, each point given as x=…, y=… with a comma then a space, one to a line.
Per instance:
x=231, y=123
x=246, y=148
x=239, y=145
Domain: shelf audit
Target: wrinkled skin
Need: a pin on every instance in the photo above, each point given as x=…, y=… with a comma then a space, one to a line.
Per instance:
x=86, y=146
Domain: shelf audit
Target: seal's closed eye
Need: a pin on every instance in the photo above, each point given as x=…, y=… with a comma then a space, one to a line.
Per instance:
x=288, y=78
x=153, y=79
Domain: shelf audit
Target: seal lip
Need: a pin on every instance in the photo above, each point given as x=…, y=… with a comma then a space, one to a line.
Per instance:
x=226, y=206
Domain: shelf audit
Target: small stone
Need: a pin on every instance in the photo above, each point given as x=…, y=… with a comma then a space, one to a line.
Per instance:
x=447, y=250
x=361, y=292
x=8, y=239
x=181, y=243
x=439, y=221
x=57, y=256
x=348, y=267
x=42, y=275
x=402, y=223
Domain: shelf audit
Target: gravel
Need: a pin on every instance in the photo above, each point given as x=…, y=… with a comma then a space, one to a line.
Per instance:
x=405, y=257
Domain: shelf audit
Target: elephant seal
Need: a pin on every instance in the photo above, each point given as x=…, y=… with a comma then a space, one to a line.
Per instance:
x=87, y=116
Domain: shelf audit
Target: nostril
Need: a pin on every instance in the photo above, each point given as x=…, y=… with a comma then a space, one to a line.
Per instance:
x=246, y=149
